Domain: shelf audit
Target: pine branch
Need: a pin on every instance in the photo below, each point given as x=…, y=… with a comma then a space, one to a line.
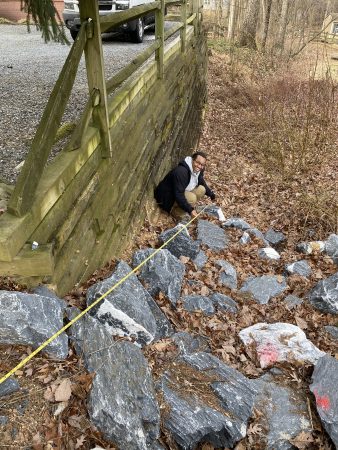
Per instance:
x=46, y=19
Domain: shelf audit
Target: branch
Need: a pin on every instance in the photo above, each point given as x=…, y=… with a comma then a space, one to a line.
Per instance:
x=310, y=40
x=46, y=18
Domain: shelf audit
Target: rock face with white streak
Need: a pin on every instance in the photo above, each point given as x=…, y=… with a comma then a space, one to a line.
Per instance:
x=212, y=235
x=279, y=342
x=324, y=296
x=30, y=319
x=301, y=268
x=193, y=303
x=275, y=238
x=331, y=247
x=324, y=388
x=236, y=222
x=284, y=411
x=191, y=422
x=264, y=288
x=125, y=310
x=162, y=273
x=268, y=253
x=122, y=402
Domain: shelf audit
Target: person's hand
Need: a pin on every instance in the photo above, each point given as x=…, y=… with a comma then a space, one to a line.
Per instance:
x=193, y=213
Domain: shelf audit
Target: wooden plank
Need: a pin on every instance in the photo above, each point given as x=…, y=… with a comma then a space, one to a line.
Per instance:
x=184, y=21
x=159, y=34
x=28, y=262
x=191, y=18
x=172, y=30
x=57, y=176
x=95, y=73
x=30, y=175
x=118, y=18
x=136, y=63
x=77, y=137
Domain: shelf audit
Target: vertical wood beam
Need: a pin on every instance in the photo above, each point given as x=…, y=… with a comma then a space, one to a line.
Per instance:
x=195, y=10
x=95, y=73
x=183, y=31
x=159, y=34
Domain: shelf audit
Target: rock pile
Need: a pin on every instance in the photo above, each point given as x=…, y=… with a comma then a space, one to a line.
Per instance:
x=204, y=399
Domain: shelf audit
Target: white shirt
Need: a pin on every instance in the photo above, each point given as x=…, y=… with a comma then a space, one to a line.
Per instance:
x=193, y=175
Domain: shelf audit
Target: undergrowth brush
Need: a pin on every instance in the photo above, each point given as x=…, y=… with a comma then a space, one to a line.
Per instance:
x=289, y=123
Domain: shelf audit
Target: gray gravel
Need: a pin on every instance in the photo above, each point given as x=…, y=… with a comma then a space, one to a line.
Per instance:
x=29, y=69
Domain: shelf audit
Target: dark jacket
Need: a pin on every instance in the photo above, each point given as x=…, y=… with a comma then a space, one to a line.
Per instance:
x=173, y=185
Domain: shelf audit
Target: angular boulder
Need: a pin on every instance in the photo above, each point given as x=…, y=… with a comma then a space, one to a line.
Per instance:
x=162, y=273
x=236, y=222
x=307, y=248
x=245, y=238
x=331, y=247
x=30, y=319
x=200, y=260
x=282, y=419
x=188, y=343
x=193, y=303
x=255, y=232
x=122, y=402
x=275, y=238
x=332, y=330
x=324, y=296
x=45, y=292
x=9, y=387
x=211, y=235
x=268, y=253
x=125, y=310
x=264, y=288
x=301, y=268
x=227, y=274
x=292, y=301
x=224, y=303
x=324, y=388
x=278, y=342
x=213, y=211
x=182, y=244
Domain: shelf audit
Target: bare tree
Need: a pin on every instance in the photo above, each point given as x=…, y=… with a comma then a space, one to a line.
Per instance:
x=282, y=24
x=231, y=22
x=267, y=4
x=247, y=35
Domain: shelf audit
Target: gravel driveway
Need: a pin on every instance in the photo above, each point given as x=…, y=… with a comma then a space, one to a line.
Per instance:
x=29, y=69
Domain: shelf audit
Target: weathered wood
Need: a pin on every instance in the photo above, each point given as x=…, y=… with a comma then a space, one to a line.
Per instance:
x=38, y=262
x=56, y=177
x=136, y=63
x=30, y=175
x=95, y=73
x=173, y=17
x=191, y=18
x=159, y=35
x=184, y=21
x=76, y=139
x=173, y=2
x=118, y=18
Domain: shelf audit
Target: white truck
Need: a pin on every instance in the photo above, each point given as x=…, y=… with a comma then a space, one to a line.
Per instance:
x=135, y=28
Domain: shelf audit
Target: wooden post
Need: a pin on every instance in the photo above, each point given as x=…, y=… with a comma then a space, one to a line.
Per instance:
x=184, y=29
x=95, y=73
x=159, y=34
x=195, y=11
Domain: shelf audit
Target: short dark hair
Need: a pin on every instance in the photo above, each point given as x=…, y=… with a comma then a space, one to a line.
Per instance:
x=194, y=155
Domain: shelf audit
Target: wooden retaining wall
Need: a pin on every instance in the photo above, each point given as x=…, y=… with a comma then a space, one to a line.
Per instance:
x=88, y=203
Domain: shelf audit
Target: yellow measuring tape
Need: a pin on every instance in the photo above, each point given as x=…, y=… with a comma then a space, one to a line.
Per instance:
x=82, y=313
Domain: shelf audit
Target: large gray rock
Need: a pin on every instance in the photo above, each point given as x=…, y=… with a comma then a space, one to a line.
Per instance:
x=224, y=302
x=324, y=296
x=268, y=253
x=162, y=273
x=125, y=310
x=9, y=387
x=332, y=330
x=278, y=342
x=188, y=343
x=213, y=211
x=275, y=238
x=299, y=268
x=200, y=259
x=264, y=288
x=331, y=247
x=212, y=235
x=324, y=387
x=122, y=402
x=31, y=319
x=227, y=274
x=182, y=244
x=236, y=222
x=235, y=392
x=285, y=412
x=45, y=292
x=193, y=303
x=307, y=248
x=259, y=235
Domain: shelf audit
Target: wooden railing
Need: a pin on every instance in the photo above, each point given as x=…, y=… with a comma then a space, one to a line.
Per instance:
x=96, y=110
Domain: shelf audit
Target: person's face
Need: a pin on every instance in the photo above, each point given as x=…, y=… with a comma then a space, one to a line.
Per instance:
x=198, y=164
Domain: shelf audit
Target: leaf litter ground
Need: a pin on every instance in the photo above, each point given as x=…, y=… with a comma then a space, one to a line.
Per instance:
x=50, y=410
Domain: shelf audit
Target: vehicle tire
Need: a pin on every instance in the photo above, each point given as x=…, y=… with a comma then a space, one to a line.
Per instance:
x=74, y=32
x=138, y=33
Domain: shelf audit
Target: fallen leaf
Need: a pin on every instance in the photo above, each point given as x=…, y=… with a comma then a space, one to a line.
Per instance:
x=184, y=259
x=60, y=408
x=80, y=441
x=49, y=395
x=204, y=290
x=63, y=391
x=301, y=323
x=302, y=440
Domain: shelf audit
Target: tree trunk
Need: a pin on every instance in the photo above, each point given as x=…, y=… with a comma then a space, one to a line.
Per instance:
x=247, y=37
x=266, y=21
x=231, y=23
x=282, y=25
